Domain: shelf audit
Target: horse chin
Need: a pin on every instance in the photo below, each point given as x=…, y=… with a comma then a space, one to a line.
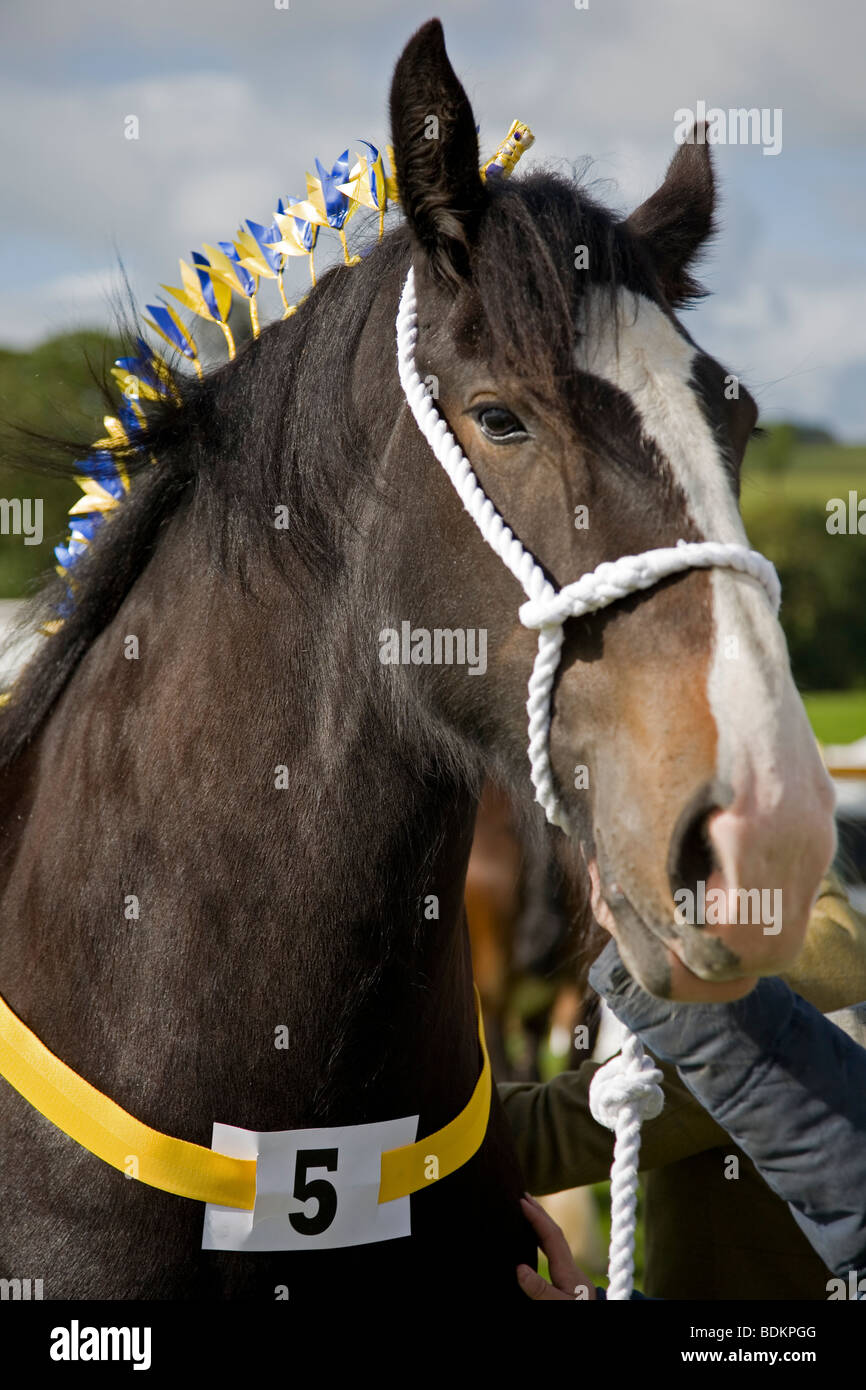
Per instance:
x=661, y=971
x=648, y=951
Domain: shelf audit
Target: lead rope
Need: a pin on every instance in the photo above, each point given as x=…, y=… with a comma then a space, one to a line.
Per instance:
x=622, y=1094
x=625, y=1091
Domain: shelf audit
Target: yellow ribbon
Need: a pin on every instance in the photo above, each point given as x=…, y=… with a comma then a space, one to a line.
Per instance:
x=190, y=1170
x=409, y=1169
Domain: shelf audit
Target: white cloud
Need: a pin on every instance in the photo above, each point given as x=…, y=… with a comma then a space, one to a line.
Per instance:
x=790, y=341
x=64, y=303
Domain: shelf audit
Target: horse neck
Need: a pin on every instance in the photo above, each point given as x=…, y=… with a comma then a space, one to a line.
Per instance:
x=325, y=900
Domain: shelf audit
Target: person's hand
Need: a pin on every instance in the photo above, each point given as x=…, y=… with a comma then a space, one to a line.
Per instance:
x=569, y=1282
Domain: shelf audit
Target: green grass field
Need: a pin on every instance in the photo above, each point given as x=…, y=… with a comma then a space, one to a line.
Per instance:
x=837, y=716
x=816, y=473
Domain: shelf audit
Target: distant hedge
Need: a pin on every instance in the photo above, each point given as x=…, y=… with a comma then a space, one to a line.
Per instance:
x=52, y=390
x=823, y=592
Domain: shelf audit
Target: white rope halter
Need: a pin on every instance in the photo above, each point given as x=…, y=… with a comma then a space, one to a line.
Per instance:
x=621, y=1096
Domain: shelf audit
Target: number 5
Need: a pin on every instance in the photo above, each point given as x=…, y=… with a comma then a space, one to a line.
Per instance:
x=324, y=1192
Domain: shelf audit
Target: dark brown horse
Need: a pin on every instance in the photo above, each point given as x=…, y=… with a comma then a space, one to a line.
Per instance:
x=329, y=899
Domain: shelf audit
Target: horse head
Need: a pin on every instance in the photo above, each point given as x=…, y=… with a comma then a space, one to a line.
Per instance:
x=549, y=335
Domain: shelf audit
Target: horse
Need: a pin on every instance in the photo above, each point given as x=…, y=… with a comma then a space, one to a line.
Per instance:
x=290, y=814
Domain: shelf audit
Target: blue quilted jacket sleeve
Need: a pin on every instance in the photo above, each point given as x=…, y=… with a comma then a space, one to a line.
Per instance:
x=787, y=1085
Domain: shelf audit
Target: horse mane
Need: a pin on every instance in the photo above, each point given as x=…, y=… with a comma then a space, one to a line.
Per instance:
x=278, y=424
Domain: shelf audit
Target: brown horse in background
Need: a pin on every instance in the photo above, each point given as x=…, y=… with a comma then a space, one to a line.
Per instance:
x=533, y=940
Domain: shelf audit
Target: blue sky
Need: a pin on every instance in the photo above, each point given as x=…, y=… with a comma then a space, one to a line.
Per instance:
x=235, y=98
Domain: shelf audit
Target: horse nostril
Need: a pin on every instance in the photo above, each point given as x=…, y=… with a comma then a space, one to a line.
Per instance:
x=691, y=858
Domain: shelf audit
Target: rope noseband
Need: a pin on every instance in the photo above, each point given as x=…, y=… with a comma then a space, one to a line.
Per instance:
x=625, y=1091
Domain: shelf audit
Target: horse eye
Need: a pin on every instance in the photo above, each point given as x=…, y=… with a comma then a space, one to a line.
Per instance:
x=500, y=424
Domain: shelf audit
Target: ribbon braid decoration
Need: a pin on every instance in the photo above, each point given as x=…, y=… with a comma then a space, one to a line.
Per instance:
x=546, y=611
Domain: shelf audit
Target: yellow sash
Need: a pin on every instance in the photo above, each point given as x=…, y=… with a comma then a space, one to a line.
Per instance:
x=190, y=1170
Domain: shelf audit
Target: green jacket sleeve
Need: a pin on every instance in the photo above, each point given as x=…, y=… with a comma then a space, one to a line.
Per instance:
x=560, y=1145
x=830, y=971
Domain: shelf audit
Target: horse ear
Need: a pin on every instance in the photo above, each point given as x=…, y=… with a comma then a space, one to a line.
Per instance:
x=676, y=222
x=436, y=154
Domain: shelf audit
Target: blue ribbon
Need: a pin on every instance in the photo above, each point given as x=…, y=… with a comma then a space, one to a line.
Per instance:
x=337, y=204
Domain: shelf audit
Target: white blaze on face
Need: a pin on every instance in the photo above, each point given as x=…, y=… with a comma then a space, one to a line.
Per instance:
x=750, y=691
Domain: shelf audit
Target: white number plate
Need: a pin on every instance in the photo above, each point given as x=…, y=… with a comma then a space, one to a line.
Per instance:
x=316, y=1189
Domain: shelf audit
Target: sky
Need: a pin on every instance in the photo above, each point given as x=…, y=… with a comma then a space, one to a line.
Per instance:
x=235, y=98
